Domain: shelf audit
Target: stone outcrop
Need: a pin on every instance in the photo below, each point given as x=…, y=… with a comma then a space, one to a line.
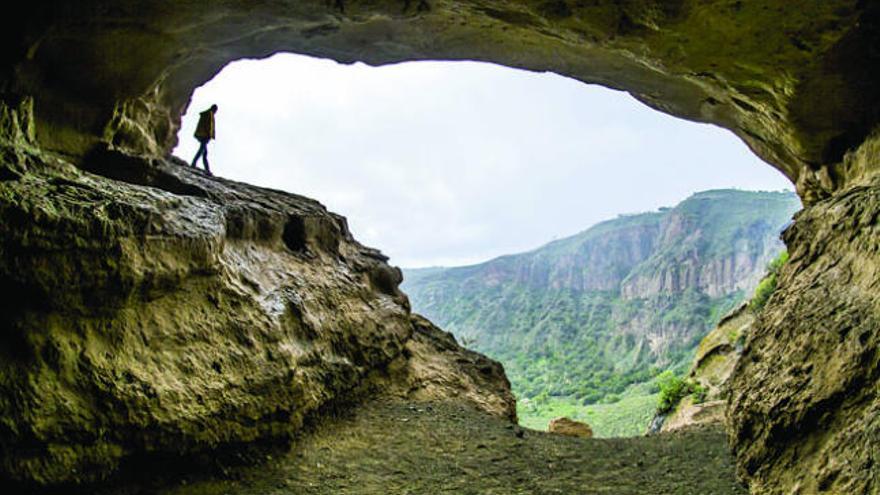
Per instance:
x=796, y=81
x=434, y=367
x=715, y=360
x=690, y=413
x=570, y=428
x=149, y=309
x=805, y=411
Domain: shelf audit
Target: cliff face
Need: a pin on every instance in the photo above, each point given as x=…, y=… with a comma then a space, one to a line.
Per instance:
x=623, y=296
x=598, y=261
x=713, y=244
x=805, y=411
x=149, y=309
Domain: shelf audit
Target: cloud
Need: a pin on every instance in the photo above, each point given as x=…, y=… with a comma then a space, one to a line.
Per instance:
x=457, y=162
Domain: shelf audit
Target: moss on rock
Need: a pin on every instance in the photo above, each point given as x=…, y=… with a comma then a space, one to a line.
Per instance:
x=166, y=312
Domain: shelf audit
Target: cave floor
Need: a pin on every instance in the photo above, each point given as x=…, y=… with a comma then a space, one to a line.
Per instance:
x=390, y=448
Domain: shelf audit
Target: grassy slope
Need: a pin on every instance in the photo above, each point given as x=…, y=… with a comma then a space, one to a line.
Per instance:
x=627, y=417
x=560, y=345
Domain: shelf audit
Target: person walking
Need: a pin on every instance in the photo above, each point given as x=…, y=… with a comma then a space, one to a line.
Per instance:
x=204, y=133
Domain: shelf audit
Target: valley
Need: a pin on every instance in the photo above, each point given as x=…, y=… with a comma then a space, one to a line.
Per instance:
x=584, y=324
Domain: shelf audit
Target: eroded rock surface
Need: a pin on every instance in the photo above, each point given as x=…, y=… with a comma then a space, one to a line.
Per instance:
x=712, y=369
x=796, y=81
x=435, y=367
x=805, y=410
x=150, y=309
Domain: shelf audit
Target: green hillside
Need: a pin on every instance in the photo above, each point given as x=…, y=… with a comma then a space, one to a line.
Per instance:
x=587, y=320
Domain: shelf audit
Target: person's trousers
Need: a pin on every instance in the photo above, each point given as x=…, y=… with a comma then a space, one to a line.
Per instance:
x=203, y=152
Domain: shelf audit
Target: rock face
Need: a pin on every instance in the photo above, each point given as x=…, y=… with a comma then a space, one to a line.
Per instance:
x=570, y=428
x=805, y=411
x=149, y=309
x=797, y=82
x=715, y=242
x=435, y=367
x=716, y=358
x=588, y=315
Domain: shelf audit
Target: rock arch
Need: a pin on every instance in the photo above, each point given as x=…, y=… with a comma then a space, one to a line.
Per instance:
x=796, y=83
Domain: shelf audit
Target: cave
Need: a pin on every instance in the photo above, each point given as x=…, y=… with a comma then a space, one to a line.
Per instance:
x=798, y=84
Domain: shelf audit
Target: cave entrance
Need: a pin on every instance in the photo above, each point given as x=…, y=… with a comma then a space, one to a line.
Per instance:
x=462, y=155
x=456, y=163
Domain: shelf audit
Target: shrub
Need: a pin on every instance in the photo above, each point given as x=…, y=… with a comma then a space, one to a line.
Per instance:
x=672, y=390
x=768, y=283
x=763, y=292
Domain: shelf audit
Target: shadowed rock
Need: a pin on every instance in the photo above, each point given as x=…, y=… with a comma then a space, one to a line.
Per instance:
x=150, y=309
x=797, y=84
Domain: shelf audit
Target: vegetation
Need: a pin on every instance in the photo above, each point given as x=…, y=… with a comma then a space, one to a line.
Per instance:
x=768, y=284
x=562, y=343
x=573, y=341
x=627, y=416
x=674, y=388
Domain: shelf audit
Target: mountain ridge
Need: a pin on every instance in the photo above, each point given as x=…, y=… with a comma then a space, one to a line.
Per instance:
x=591, y=314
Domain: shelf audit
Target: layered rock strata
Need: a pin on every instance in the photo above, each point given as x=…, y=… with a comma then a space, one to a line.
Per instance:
x=150, y=309
x=805, y=409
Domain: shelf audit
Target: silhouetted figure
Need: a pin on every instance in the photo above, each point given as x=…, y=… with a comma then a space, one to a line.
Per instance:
x=204, y=133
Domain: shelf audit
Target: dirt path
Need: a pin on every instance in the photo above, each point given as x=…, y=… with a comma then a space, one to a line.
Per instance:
x=392, y=448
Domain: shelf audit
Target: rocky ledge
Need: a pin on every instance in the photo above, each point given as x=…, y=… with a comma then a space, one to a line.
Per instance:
x=150, y=309
x=712, y=370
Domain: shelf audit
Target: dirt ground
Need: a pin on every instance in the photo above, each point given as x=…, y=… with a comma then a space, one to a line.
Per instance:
x=392, y=448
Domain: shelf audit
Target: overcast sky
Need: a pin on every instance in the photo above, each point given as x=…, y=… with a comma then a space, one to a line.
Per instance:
x=449, y=163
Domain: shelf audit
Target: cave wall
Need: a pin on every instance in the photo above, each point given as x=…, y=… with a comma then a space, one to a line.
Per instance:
x=150, y=310
x=804, y=414
x=794, y=80
x=797, y=81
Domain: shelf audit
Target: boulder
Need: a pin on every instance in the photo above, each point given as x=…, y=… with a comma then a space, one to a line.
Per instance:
x=570, y=428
